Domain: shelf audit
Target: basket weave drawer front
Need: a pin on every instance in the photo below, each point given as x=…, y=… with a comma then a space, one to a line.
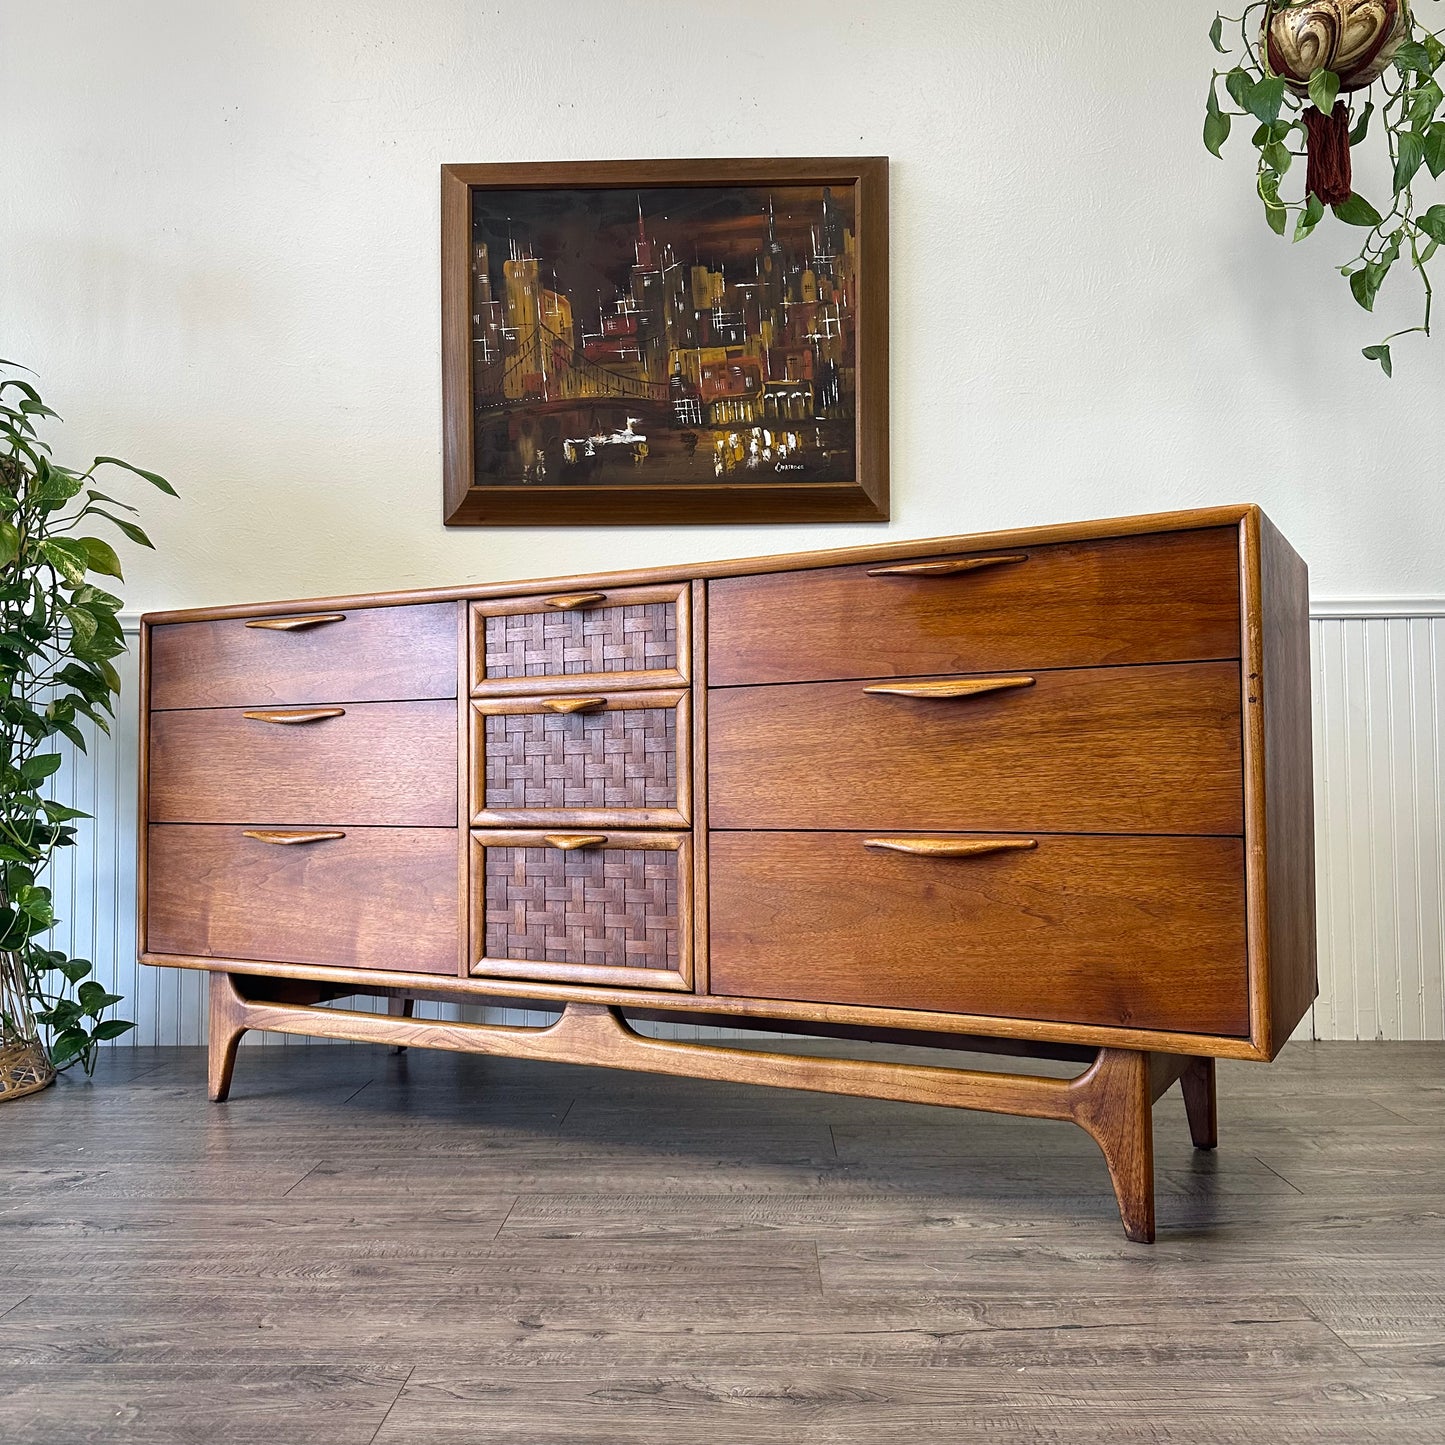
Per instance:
x=616, y=912
x=622, y=761
x=634, y=636
x=310, y=655
x=1169, y=597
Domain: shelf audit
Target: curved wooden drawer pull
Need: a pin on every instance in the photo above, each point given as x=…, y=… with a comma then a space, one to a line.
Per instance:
x=568, y=841
x=296, y=714
x=951, y=847
x=267, y=835
x=296, y=624
x=950, y=687
x=575, y=704
x=945, y=569
x=572, y=601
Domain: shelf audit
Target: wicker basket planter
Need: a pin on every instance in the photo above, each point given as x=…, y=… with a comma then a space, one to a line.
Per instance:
x=24, y=1069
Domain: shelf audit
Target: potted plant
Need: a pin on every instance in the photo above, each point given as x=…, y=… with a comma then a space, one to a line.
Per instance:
x=1300, y=58
x=58, y=634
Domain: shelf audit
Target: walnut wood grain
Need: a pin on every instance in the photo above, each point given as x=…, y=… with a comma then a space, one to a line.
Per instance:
x=1279, y=792
x=574, y=704
x=1196, y=1083
x=381, y=765
x=949, y=567
x=297, y=624
x=377, y=898
x=1111, y=1099
x=1113, y=750
x=574, y=601
x=1171, y=597
x=920, y=847
x=295, y=716
x=291, y=840
x=375, y=653
x=1131, y=932
x=942, y=689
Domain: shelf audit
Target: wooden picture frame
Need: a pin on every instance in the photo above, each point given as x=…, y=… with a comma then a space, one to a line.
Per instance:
x=671, y=342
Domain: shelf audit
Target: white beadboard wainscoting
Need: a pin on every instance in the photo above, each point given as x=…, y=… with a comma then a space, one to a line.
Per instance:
x=1379, y=726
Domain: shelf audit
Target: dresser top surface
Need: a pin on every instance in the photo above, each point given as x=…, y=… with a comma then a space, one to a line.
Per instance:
x=1093, y=530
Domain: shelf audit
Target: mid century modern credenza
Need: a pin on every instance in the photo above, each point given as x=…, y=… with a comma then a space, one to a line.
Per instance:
x=1042, y=792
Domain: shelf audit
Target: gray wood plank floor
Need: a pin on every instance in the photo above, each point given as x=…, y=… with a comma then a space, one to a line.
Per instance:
x=363, y=1249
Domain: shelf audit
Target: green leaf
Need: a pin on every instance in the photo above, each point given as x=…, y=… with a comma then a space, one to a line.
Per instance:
x=1433, y=223
x=1422, y=108
x=1216, y=125
x=153, y=478
x=1362, y=126
x=35, y=770
x=102, y=557
x=68, y=558
x=9, y=543
x=112, y=1029
x=74, y=969
x=68, y=1046
x=127, y=529
x=1412, y=56
x=1277, y=157
x=1365, y=283
x=1435, y=148
x=1324, y=90
x=1382, y=355
x=1239, y=83
x=1216, y=32
x=1357, y=211
x=1274, y=211
x=1310, y=217
x=1265, y=98
x=1410, y=156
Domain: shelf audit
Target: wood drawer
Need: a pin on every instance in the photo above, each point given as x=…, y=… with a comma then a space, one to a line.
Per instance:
x=1133, y=932
x=391, y=764
x=1169, y=597
x=627, y=636
x=359, y=654
x=1102, y=750
x=374, y=898
x=614, y=909
x=618, y=758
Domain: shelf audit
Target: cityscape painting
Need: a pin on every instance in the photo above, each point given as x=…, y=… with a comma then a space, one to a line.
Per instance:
x=668, y=348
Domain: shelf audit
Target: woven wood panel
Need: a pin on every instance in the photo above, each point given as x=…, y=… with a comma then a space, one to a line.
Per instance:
x=612, y=907
x=625, y=758
x=641, y=637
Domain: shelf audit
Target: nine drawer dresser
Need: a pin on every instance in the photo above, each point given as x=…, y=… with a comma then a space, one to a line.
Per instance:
x=1043, y=793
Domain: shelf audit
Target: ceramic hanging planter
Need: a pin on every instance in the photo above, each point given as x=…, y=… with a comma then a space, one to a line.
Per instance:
x=1314, y=73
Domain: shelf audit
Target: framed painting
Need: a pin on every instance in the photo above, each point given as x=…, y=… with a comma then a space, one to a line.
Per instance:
x=631, y=342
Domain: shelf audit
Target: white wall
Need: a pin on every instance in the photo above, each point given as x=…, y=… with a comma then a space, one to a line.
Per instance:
x=218, y=245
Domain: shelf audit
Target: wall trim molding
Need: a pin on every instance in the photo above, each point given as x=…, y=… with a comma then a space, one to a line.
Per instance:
x=1327, y=608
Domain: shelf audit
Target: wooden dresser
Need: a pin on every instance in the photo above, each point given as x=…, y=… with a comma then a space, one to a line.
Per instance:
x=1044, y=793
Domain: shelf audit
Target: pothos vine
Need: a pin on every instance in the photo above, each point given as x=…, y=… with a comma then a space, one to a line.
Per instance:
x=1297, y=105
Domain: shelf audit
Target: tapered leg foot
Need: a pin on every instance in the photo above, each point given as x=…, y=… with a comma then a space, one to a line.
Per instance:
x=1114, y=1103
x=400, y=1008
x=227, y=1025
x=1197, y=1085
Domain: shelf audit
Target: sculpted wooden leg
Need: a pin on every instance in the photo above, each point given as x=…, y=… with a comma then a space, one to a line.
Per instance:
x=228, y=1011
x=1197, y=1085
x=1114, y=1102
x=400, y=1008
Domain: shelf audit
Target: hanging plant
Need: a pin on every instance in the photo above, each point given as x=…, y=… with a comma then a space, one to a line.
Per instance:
x=1301, y=58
